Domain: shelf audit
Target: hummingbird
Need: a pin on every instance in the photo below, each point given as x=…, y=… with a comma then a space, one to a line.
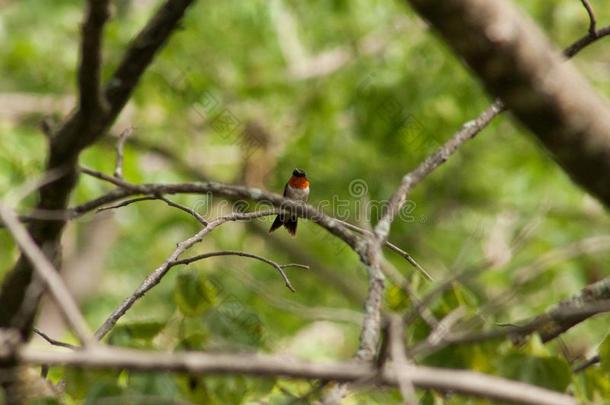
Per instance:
x=297, y=188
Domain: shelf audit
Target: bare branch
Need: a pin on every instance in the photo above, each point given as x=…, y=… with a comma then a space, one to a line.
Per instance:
x=410, y=180
x=47, y=272
x=590, y=362
x=391, y=246
x=399, y=358
x=78, y=131
x=591, y=14
x=513, y=59
x=458, y=381
x=141, y=52
x=275, y=265
x=120, y=146
x=183, y=208
x=126, y=203
x=119, y=182
x=52, y=341
x=169, y=202
x=157, y=275
x=468, y=131
x=299, y=208
x=548, y=325
x=398, y=279
x=586, y=41
x=443, y=328
x=90, y=98
x=382, y=229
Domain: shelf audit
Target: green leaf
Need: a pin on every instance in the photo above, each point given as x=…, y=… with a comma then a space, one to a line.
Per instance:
x=144, y=329
x=134, y=334
x=236, y=323
x=160, y=385
x=97, y=391
x=259, y=387
x=227, y=389
x=193, y=294
x=549, y=372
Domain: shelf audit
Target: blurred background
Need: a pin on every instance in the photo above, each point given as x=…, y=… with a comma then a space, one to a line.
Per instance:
x=356, y=93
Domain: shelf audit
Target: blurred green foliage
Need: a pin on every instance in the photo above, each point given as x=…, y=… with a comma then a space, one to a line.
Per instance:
x=224, y=97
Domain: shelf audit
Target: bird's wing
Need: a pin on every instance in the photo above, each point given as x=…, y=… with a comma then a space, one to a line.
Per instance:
x=285, y=190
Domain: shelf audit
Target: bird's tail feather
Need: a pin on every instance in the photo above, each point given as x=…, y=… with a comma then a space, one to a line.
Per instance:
x=276, y=224
x=291, y=225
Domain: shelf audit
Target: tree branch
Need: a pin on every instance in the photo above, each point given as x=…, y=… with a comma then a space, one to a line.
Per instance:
x=52, y=341
x=279, y=267
x=80, y=130
x=514, y=61
x=468, y=131
x=458, y=381
x=157, y=275
x=91, y=101
x=399, y=358
x=591, y=14
x=47, y=272
x=236, y=192
x=120, y=147
x=549, y=325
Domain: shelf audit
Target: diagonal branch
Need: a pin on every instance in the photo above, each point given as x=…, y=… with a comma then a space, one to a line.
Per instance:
x=157, y=275
x=549, y=325
x=47, y=272
x=54, y=342
x=514, y=61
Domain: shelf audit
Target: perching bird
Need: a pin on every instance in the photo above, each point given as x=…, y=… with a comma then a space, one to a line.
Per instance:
x=297, y=188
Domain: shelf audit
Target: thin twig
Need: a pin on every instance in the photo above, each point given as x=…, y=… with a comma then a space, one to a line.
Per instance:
x=126, y=203
x=47, y=272
x=549, y=325
x=588, y=363
x=120, y=147
x=157, y=275
x=188, y=210
x=112, y=180
x=160, y=197
x=275, y=265
x=397, y=278
x=591, y=14
x=391, y=246
x=468, y=131
x=54, y=342
x=586, y=41
x=443, y=328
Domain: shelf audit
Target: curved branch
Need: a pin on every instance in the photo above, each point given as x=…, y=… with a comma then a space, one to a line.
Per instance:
x=280, y=268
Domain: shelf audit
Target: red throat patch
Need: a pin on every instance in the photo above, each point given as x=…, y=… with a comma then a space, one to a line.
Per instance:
x=298, y=182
